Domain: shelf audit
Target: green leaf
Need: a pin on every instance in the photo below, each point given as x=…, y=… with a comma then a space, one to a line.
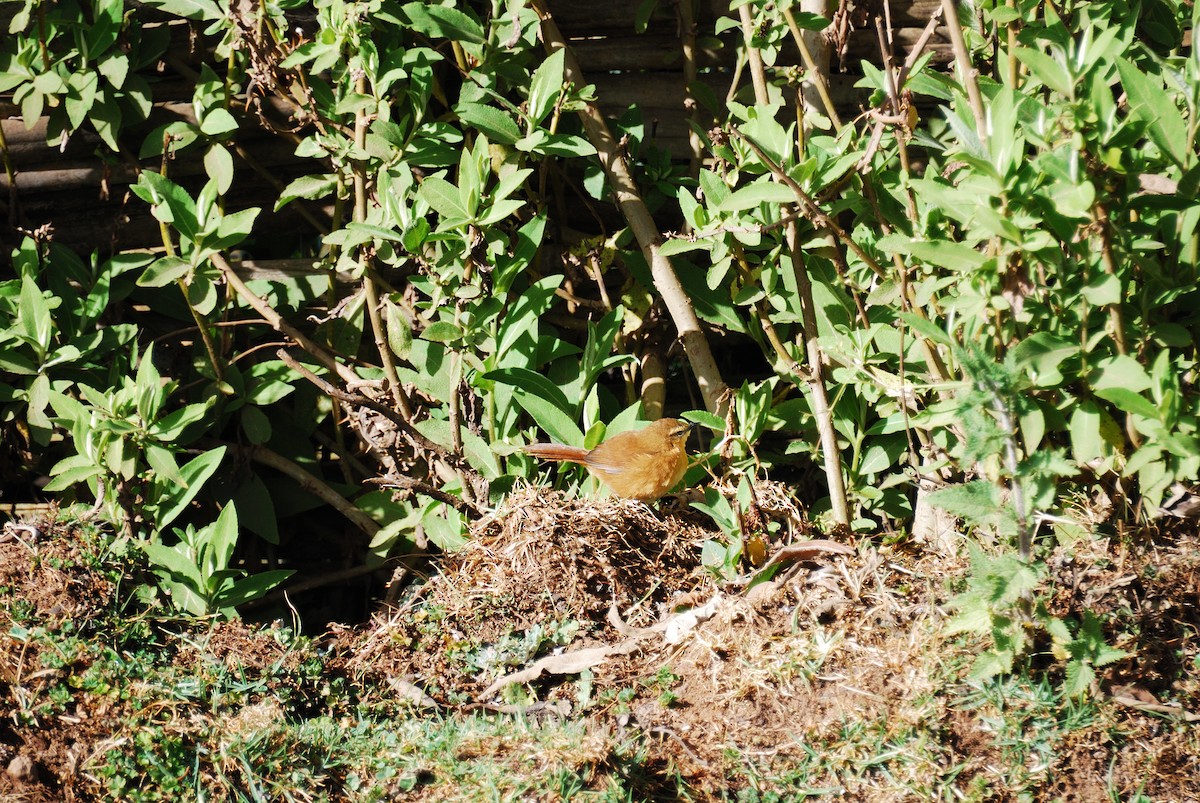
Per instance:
x=190, y=9
x=251, y=588
x=976, y=501
x=1102, y=291
x=169, y=428
x=34, y=315
x=256, y=509
x=164, y=271
x=442, y=332
x=682, y=245
x=171, y=203
x=233, y=228
x=399, y=330
x=991, y=663
x=218, y=163
x=309, y=187
x=1046, y=69
x=444, y=198
x=760, y=192
x=705, y=419
x=174, y=562
x=1086, y=443
x=218, y=123
x=715, y=190
x=163, y=462
x=810, y=22
x=518, y=331
x=195, y=473
x=1156, y=107
x=222, y=538
x=533, y=383
x=1120, y=371
x=496, y=124
x=255, y=424
x=926, y=328
x=72, y=471
x=1128, y=401
x=945, y=254
x=443, y=526
x=151, y=393
x=545, y=86
x=441, y=21
x=1041, y=356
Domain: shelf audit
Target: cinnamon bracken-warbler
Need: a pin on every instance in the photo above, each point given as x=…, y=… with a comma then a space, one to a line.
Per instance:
x=640, y=465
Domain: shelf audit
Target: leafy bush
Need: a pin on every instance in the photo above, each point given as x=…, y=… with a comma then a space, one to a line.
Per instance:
x=987, y=279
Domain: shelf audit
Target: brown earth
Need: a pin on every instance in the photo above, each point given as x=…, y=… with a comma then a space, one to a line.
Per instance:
x=834, y=653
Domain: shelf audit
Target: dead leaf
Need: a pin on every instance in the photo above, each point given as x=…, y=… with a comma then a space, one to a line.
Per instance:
x=567, y=663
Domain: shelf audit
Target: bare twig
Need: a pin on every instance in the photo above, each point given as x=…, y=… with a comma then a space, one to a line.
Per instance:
x=810, y=209
x=687, y=39
x=629, y=199
x=411, y=484
x=319, y=353
x=758, y=73
x=358, y=399
x=261, y=454
x=822, y=413
x=815, y=72
x=965, y=68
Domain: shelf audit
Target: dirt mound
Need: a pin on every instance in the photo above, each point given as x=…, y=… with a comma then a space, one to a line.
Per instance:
x=834, y=675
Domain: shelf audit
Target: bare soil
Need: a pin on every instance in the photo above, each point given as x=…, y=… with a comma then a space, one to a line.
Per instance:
x=839, y=666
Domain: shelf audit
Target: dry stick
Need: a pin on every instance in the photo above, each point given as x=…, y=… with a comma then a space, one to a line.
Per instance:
x=1100, y=215
x=893, y=92
x=815, y=378
x=11, y=175
x=758, y=73
x=816, y=384
x=918, y=47
x=319, y=353
x=814, y=70
x=332, y=390
x=815, y=381
x=1014, y=68
x=965, y=68
x=261, y=454
x=467, y=476
x=410, y=484
x=789, y=362
x=932, y=356
x=1115, y=315
x=695, y=345
x=687, y=32
x=369, y=287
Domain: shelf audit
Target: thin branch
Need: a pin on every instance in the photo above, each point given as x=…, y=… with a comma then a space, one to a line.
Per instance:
x=815, y=73
x=629, y=199
x=810, y=209
x=268, y=313
x=261, y=454
x=758, y=73
x=687, y=40
x=329, y=389
x=965, y=68
x=411, y=484
x=822, y=413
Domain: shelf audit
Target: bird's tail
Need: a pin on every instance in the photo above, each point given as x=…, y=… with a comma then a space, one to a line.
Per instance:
x=557, y=452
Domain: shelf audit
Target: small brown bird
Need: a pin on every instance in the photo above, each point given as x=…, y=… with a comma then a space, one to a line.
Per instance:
x=640, y=465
